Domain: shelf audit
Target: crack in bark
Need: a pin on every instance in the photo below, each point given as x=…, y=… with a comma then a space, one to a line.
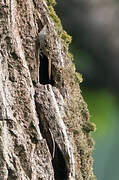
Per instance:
x=48, y=123
x=58, y=161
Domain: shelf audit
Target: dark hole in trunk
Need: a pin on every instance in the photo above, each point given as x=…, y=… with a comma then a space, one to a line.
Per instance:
x=45, y=74
x=59, y=165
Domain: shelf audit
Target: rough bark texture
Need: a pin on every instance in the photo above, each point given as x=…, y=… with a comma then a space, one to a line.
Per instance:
x=44, y=121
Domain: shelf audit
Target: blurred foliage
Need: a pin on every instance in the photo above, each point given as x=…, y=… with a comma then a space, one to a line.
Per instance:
x=103, y=108
x=82, y=59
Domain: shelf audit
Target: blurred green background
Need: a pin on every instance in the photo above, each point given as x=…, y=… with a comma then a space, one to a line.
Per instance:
x=95, y=30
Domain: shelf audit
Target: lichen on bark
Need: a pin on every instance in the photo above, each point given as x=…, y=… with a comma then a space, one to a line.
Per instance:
x=44, y=126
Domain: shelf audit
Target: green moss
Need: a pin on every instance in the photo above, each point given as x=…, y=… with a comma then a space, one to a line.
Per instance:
x=55, y=19
x=93, y=178
x=71, y=56
x=91, y=142
x=78, y=77
x=89, y=126
x=51, y=2
x=73, y=67
x=66, y=38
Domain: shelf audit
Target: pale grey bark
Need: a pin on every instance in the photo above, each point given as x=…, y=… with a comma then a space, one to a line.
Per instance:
x=44, y=126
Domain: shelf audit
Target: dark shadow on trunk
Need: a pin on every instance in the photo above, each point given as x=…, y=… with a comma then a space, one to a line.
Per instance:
x=59, y=165
x=44, y=74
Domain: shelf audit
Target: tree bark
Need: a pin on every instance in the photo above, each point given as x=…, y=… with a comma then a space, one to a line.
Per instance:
x=44, y=121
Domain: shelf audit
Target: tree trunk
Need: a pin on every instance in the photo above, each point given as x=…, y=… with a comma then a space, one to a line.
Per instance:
x=44, y=121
